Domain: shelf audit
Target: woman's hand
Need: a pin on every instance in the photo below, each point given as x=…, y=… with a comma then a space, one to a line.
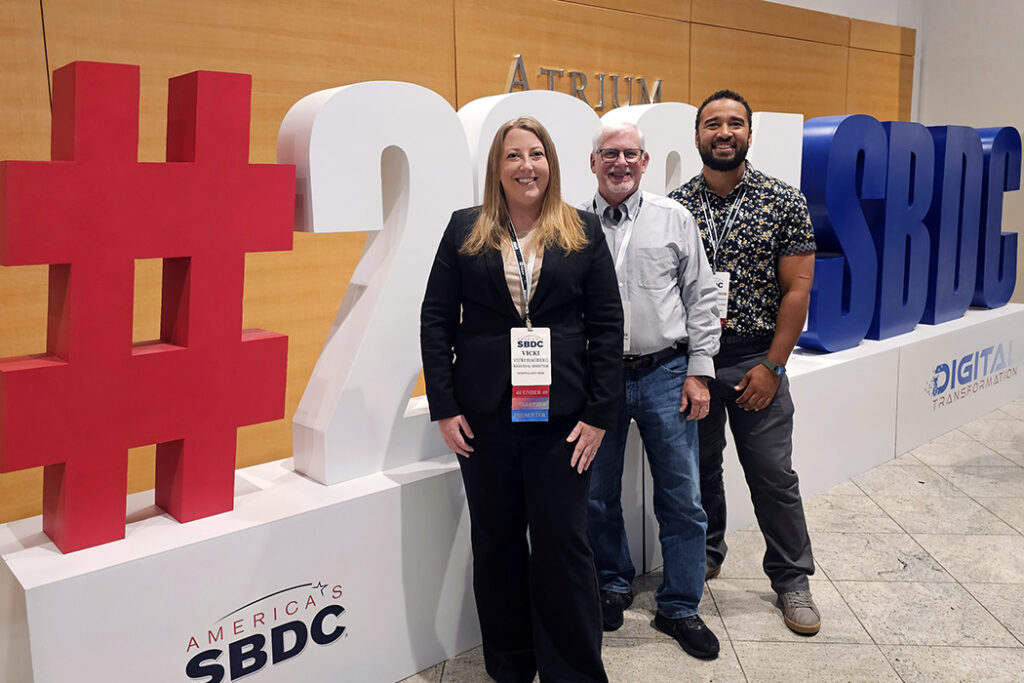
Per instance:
x=452, y=429
x=588, y=440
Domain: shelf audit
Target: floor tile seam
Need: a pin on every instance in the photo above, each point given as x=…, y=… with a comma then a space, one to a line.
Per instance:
x=852, y=611
x=958, y=647
x=977, y=502
x=1001, y=468
x=807, y=640
x=889, y=662
x=812, y=643
x=653, y=637
x=929, y=581
x=897, y=523
x=880, y=533
x=996, y=514
x=1014, y=533
x=732, y=645
x=878, y=505
x=892, y=582
x=1010, y=464
x=951, y=579
x=998, y=620
x=973, y=499
x=1003, y=412
x=952, y=646
x=958, y=583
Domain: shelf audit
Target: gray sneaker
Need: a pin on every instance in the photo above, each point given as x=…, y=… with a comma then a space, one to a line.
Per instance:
x=799, y=612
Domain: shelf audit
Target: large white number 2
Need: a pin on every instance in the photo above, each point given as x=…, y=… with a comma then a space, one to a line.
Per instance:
x=390, y=158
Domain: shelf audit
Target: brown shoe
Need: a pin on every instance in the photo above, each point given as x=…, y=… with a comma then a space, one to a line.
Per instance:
x=799, y=612
x=712, y=572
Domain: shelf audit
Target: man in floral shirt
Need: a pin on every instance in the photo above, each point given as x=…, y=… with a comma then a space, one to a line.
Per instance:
x=760, y=243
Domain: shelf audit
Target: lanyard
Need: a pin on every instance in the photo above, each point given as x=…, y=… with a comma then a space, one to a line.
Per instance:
x=714, y=236
x=523, y=277
x=620, y=255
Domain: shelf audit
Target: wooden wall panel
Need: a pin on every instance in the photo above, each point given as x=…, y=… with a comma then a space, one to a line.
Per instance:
x=566, y=36
x=906, y=86
x=869, y=35
x=24, y=134
x=24, y=95
x=773, y=19
x=908, y=41
x=291, y=49
x=679, y=9
x=774, y=73
x=873, y=86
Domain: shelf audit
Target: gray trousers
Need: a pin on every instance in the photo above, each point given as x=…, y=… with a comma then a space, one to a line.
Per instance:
x=764, y=443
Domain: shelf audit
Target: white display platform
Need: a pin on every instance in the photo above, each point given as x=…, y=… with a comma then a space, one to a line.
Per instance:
x=861, y=407
x=392, y=549
x=397, y=545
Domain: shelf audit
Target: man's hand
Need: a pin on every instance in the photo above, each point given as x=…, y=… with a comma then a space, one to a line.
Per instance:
x=758, y=388
x=588, y=440
x=452, y=429
x=696, y=397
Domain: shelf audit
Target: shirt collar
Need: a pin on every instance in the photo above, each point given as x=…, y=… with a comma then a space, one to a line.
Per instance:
x=748, y=178
x=628, y=208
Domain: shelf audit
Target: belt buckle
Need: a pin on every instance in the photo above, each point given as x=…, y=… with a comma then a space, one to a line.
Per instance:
x=634, y=361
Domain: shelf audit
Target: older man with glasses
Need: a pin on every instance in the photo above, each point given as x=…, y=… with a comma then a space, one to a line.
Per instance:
x=671, y=328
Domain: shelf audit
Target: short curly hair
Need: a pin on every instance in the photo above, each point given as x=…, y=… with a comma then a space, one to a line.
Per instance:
x=724, y=94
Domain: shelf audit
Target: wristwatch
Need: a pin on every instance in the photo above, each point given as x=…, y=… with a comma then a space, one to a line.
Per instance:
x=776, y=369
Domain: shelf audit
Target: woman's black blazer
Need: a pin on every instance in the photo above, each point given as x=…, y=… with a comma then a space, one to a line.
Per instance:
x=466, y=363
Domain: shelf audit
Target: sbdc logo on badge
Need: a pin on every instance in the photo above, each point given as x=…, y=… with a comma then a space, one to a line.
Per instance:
x=531, y=374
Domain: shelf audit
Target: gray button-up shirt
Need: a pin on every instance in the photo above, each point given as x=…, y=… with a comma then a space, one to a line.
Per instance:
x=665, y=277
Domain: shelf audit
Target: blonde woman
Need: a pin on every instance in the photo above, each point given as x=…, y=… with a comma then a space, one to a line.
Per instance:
x=526, y=266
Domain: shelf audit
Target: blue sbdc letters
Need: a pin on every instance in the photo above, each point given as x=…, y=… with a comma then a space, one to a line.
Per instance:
x=908, y=223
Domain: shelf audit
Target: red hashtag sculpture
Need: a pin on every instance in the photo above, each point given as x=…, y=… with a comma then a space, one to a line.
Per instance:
x=90, y=213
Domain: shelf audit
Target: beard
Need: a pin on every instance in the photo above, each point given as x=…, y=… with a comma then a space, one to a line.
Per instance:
x=707, y=155
x=625, y=187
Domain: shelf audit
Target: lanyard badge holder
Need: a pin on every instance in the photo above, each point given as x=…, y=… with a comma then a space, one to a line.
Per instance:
x=531, y=356
x=716, y=238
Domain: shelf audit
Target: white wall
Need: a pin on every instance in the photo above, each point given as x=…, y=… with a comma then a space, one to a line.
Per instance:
x=971, y=65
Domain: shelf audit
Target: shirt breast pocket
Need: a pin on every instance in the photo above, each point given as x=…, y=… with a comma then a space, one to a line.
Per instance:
x=656, y=267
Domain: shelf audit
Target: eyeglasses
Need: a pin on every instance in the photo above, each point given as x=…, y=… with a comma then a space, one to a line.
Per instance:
x=612, y=154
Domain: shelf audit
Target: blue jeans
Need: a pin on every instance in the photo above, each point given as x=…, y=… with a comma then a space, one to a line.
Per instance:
x=651, y=396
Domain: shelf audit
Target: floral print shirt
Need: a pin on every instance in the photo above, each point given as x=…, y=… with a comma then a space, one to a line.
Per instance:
x=766, y=219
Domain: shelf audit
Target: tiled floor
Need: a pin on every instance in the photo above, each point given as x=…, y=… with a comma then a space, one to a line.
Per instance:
x=920, y=578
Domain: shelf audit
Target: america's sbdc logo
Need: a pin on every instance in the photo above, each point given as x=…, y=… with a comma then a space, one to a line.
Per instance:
x=972, y=373
x=530, y=345
x=530, y=342
x=289, y=619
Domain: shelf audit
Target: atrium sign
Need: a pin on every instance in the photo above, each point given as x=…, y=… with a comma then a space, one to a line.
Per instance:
x=576, y=83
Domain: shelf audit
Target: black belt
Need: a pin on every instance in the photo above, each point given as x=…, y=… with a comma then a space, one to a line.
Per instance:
x=649, y=359
x=733, y=339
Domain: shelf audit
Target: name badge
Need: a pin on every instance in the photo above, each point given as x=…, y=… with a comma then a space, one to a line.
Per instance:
x=531, y=374
x=625, y=326
x=722, y=282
